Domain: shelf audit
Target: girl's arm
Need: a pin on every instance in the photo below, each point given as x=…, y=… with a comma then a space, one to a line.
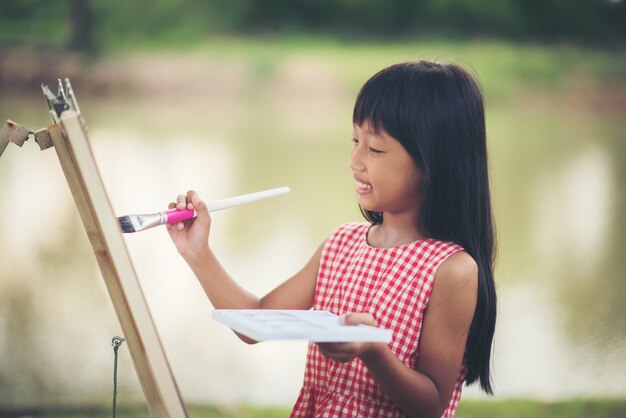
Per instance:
x=425, y=391
x=192, y=242
x=225, y=293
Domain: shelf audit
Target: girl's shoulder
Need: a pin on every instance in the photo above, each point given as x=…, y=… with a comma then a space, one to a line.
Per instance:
x=350, y=231
x=351, y=228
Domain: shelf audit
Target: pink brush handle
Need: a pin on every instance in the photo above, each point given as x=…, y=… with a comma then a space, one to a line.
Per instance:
x=175, y=215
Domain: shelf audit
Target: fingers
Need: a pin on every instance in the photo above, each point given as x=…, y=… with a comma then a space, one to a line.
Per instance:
x=190, y=201
x=195, y=202
x=347, y=351
x=334, y=348
x=181, y=202
x=178, y=226
x=191, y=195
x=358, y=318
x=193, y=199
x=184, y=201
x=339, y=352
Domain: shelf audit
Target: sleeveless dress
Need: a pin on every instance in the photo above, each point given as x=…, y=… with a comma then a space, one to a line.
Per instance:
x=392, y=284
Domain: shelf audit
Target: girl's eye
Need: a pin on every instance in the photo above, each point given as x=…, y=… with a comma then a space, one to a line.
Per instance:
x=355, y=141
x=375, y=151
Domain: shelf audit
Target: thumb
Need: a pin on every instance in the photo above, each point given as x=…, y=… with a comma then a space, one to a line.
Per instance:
x=358, y=318
x=201, y=208
x=199, y=204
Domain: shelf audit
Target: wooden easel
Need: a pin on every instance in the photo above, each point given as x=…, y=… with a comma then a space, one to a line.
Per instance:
x=68, y=136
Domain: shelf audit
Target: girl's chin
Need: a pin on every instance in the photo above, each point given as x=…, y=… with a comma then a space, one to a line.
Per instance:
x=368, y=207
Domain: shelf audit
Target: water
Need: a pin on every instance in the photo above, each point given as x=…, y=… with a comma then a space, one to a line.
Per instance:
x=558, y=184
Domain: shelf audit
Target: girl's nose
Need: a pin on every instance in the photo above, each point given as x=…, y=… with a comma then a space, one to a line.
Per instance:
x=355, y=162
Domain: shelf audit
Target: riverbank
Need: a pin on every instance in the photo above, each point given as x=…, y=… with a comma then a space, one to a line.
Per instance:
x=518, y=408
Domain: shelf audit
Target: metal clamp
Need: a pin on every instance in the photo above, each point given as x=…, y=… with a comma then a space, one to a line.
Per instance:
x=63, y=100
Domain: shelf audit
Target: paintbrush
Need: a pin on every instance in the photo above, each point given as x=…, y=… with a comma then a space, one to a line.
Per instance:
x=136, y=223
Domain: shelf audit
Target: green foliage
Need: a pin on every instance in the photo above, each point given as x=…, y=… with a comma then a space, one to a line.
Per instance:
x=34, y=21
x=91, y=24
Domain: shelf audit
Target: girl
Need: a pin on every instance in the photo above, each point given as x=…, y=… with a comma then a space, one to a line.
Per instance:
x=421, y=265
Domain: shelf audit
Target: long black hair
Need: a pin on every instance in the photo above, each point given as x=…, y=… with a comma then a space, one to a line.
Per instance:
x=436, y=112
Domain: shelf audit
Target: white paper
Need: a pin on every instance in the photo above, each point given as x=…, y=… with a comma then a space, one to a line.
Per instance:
x=314, y=326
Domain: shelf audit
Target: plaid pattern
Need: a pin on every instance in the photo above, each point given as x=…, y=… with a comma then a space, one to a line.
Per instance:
x=392, y=284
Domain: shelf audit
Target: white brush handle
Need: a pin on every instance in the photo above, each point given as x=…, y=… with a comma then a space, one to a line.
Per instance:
x=246, y=198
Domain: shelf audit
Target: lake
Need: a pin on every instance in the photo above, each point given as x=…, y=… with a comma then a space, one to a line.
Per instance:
x=212, y=121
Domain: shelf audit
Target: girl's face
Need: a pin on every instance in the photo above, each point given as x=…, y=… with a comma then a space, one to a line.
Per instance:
x=387, y=178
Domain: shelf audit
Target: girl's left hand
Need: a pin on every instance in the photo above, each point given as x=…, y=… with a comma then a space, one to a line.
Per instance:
x=345, y=352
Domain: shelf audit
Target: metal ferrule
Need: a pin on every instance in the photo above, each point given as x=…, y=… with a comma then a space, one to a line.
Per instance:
x=151, y=220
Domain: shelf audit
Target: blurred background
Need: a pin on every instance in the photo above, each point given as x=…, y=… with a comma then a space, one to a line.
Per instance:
x=230, y=97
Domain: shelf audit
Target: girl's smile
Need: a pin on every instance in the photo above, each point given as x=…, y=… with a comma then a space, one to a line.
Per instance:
x=362, y=187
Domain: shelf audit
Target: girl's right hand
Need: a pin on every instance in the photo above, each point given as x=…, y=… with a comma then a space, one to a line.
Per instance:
x=191, y=237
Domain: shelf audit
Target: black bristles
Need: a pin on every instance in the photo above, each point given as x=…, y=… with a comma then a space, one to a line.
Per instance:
x=126, y=224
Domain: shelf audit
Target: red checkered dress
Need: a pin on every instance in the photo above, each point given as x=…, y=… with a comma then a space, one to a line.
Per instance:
x=392, y=284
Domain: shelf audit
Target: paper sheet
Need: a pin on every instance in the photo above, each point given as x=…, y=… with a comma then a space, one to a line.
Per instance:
x=314, y=326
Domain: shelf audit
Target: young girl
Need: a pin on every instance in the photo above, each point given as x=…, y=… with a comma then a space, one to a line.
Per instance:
x=421, y=266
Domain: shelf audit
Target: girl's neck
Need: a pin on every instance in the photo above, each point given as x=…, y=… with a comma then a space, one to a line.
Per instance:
x=395, y=230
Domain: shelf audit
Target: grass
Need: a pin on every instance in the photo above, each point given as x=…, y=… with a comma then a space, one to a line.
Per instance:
x=588, y=408
x=522, y=408
x=195, y=411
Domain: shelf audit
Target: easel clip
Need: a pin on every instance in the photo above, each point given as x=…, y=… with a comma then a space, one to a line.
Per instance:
x=63, y=100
